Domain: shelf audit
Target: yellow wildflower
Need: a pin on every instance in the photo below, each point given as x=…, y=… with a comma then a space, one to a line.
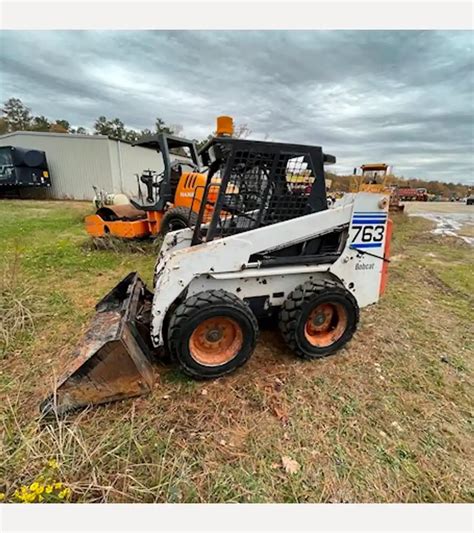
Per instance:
x=40, y=498
x=40, y=490
x=34, y=486
x=65, y=494
x=58, y=485
x=49, y=489
x=52, y=463
x=2, y=496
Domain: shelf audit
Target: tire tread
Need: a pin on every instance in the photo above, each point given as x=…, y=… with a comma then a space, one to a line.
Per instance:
x=203, y=300
x=288, y=316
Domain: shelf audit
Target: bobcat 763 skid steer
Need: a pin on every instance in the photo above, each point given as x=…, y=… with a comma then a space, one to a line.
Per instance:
x=267, y=250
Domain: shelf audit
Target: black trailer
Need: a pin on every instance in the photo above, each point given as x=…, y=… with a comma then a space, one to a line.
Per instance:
x=23, y=167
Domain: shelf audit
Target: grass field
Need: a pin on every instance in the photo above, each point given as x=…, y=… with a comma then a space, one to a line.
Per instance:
x=389, y=419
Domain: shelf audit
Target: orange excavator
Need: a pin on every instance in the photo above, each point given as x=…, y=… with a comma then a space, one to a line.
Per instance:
x=173, y=197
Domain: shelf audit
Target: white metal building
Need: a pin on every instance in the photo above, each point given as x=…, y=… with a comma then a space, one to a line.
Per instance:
x=77, y=162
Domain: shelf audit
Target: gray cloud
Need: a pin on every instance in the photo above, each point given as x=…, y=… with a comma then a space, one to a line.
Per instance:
x=403, y=97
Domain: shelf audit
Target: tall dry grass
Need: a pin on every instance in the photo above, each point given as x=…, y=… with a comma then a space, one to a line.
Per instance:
x=22, y=305
x=17, y=305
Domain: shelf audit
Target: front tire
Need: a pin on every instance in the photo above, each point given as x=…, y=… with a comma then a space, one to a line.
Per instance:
x=211, y=334
x=318, y=318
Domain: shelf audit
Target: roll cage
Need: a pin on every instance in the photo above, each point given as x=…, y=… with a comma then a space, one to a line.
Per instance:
x=257, y=183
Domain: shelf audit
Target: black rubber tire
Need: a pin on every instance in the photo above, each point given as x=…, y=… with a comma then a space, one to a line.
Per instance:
x=189, y=314
x=301, y=302
x=178, y=218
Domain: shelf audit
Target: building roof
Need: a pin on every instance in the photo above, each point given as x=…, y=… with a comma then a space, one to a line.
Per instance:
x=66, y=135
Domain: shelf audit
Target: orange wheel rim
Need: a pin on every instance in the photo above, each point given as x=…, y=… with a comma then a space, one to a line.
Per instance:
x=325, y=324
x=216, y=341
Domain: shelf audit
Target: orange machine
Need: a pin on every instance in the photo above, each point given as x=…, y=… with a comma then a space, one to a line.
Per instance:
x=173, y=198
x=375, y=177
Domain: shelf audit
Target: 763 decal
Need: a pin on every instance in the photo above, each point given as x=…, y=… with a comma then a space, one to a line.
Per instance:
x=368, y=229
x=368, y=233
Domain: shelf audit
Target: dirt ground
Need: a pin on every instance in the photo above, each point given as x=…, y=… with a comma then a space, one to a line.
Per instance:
x=388, y=419
x=439, y=207
x=452, y=219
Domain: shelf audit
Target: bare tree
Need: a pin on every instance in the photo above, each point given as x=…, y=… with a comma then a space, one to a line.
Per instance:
x=177, y=129
x=241, y=131
x=161, y=127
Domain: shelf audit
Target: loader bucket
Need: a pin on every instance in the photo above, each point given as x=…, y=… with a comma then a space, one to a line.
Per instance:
x=113, y=360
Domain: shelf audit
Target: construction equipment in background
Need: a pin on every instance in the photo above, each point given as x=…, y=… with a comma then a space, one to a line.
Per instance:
x=103, y=198
x=375, y=178
x=411, y=194
x=267, y=249
x=172, y=198
x=23, y=167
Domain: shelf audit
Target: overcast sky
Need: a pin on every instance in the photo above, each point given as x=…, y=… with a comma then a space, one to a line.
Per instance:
x=401, y=97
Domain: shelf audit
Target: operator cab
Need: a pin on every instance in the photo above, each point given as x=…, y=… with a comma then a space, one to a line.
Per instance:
x=161, y=187
x=257, y=183
x=372, y=171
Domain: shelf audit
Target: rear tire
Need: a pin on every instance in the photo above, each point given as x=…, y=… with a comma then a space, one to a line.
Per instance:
x=211, y=334
x=177, y=218
x=318, y=318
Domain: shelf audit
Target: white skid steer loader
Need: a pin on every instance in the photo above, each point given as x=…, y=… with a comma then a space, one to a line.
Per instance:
x=261, y=247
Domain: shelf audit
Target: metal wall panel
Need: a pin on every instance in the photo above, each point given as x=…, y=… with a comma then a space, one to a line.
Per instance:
x=127, y=161
x=76, y=162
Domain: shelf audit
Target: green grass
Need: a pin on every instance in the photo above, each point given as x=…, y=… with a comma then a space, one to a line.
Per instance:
x=387, y=420
x=49, y=237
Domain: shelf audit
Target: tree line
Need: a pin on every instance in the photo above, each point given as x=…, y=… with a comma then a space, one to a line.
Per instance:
x=16, y=116
x=440, y=189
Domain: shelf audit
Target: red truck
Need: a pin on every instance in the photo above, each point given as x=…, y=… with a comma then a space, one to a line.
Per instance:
x=407, y=193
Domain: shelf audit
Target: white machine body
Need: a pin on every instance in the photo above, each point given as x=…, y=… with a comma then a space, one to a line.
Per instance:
x=225, y=263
